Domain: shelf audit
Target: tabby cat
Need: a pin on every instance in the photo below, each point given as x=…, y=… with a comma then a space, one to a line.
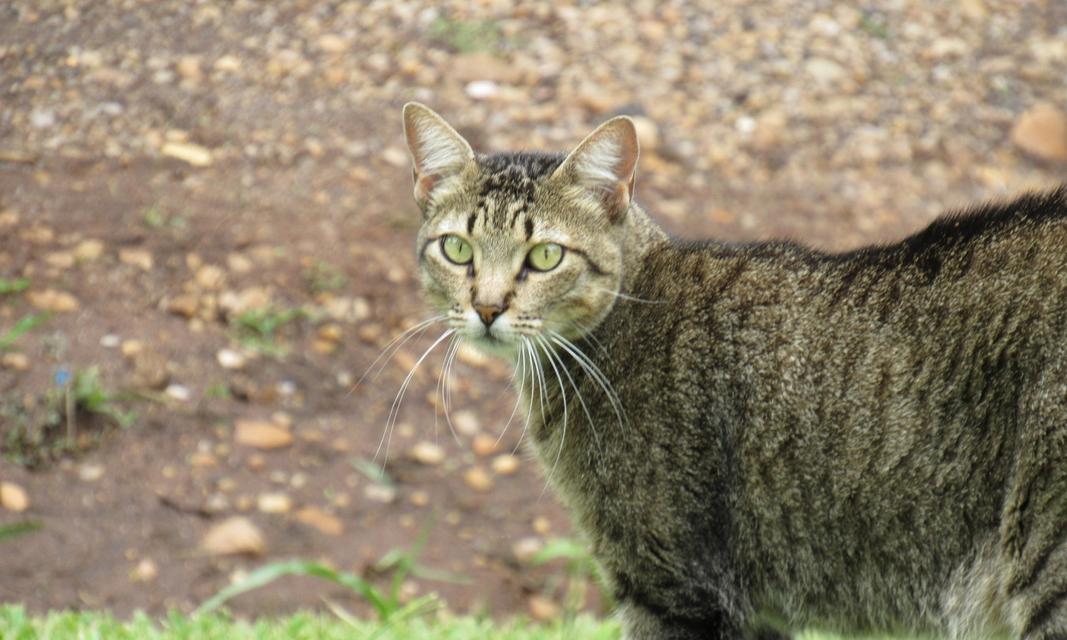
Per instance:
x=763, y=438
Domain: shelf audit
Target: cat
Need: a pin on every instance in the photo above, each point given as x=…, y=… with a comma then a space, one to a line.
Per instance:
x=762, y=438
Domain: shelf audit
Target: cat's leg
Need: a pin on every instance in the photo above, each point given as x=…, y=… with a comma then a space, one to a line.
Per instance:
x=640, y=623
x=769, y=634
x=1038, y=608
x=1034, y=522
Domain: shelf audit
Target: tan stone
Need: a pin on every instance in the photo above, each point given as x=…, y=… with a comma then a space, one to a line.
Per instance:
x=485, y=444
x=427, y=453
x=140, y=258
x=145, y=571
x=478, y=479
x=131, y=348
x=505, y=465
x=466, y=422
x=542, y=525
x=318, y=519
x=60, y=259
x=188, y=152
x=52, y=300
x=332, y=43
x=88, y=250
x=542, y=609
x=1041, y=131
x=274, y=503
x=261, y=434
x=15, y=360
x=210, y=277
x=189, y=67
x=13, y=497
x=185, y=305
x=234, y=535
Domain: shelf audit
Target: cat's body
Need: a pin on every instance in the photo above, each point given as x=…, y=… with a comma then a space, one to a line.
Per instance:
x=835, y=440
x=866, y=442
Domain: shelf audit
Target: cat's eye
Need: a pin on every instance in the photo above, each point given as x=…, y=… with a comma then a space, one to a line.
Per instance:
x=545, y=256
x=456, y=249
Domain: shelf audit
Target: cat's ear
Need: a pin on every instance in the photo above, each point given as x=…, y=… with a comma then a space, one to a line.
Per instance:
x=605, y=164
x=437, y=150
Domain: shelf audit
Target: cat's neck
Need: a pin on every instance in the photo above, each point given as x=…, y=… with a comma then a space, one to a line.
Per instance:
x=641, y=234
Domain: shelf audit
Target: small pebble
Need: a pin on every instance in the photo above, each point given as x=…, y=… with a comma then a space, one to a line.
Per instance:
x=526, y=548
x=506, y=464
x=478, y=479
x=380, y=493
x=427, y=453
x=466, y=422
x=90, y=472
x=274, y=503
x=178, y=392
x=230, y=359
x=13, y=497
x=145, y=571
x=485, y=444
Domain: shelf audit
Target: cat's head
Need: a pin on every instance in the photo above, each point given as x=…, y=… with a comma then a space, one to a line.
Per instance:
x=520, y=244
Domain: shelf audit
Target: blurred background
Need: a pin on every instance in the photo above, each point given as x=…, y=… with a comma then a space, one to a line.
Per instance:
x=206, y=239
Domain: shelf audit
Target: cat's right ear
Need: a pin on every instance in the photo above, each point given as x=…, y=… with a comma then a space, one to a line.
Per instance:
x=438, y=152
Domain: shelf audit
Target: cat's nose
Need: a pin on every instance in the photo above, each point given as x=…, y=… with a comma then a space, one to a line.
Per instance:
x=489, y=312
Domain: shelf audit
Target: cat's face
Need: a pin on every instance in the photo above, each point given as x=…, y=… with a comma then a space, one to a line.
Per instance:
x=520, y=245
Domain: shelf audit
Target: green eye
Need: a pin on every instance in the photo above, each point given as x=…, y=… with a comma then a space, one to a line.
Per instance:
x=545, y=256
x=456, y=249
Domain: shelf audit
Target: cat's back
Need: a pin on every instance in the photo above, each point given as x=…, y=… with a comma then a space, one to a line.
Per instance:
x=864, y=393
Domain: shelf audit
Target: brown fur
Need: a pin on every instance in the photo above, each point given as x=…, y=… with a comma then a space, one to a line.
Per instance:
x=870, y=442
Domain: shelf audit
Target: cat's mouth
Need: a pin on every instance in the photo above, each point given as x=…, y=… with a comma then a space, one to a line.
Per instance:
x=494, y=344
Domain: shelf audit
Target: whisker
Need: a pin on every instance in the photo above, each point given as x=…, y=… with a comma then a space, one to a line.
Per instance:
x=630, y=298
x=583, y=360
x=531, y=359
x=539, y=383
x=403, y=338
x=394, y=410
x=589, y=336
x=444, y=388
x=577, y=392
x=520, y=374
x=563, y=394
x=450, y=364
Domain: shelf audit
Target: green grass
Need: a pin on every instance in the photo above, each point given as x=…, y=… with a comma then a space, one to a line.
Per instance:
x=26, y=323
x=323, y=277
x=16, y=624
x=54, y=423
x=8, y=287
x=257, y=329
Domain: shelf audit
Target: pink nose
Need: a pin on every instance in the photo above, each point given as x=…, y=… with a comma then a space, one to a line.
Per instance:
x=489, y=312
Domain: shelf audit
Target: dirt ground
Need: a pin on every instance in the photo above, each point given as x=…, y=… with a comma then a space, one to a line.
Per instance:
x=208, y=204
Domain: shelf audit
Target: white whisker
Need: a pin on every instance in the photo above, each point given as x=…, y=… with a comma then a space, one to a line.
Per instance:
x=592, y=426
x=626, y=296
x=563, y=395
x=402, y=338
x=444, y=387
x=520, y=374
x=394, y=410
x=532, y=371
x=583, y=360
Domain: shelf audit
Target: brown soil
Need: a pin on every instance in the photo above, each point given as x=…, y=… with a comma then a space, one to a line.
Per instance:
x=303, y=203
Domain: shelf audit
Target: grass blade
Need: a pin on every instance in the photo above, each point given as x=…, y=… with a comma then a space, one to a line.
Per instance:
x=25, y=324
x=18, y=529
x=271, y=572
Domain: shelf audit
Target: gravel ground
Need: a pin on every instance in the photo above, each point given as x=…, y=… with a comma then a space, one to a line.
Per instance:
x=166, y=166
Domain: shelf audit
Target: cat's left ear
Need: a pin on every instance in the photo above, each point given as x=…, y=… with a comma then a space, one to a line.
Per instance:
x=605, y=164
x=438, y=151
